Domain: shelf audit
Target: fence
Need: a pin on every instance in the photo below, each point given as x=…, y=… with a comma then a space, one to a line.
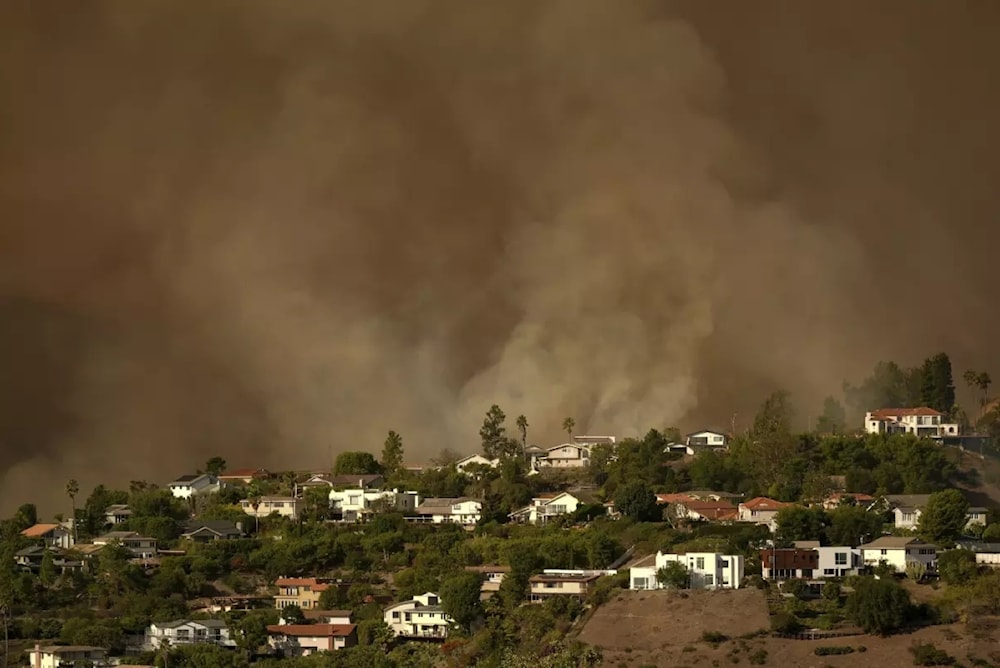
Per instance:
x=817, y=634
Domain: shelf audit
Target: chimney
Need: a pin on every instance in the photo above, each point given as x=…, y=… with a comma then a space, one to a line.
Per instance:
x=38, y=655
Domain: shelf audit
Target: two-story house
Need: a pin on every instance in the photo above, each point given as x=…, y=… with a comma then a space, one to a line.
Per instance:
x=761, y=510
x=492, y=577
x=545, y=507
x=907, y=509
x=420, y=617
x=475, y=461
x=354, y=505
x=462, y=510
x=550, y=583
x=784, y=562
x=923, y=422
x=898, y=552
x=837, y=561
x=141, y=547
x=706, y=570
x=302, y=592
x=265, y=506
x=305, y=639
x=52, y=535
x=566, y=455
x=365, y=481
x=67, y=656
x=188, y=632
x=186, y=486
x=116, y=514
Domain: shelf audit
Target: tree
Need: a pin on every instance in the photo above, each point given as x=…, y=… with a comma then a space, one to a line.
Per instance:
x=568, y=425
x=493, y=433
x=460, y=598
x=293, y=614
x=356, y=463
x=943, y=518
x=674, y=575
x=957, y=567
x=769, y=445
x=72, y=489
x=878, y=606
x=215, y=466
x=522, y=427
x=834, y=417
x=392, y=453
x=937, y=389
x=853, y=525
x=47, y=571
x=636, y=501
x=981, y=381
x=799, y=523
x=26, y=516
x=250, y=632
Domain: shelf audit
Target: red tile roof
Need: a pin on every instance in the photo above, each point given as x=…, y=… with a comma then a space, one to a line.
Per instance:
x=883, y=413
x=312, y=630
x=38, y=530
x=764, y=503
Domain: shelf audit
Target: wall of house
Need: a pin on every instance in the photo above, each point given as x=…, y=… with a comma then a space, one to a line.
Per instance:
x=836, y=562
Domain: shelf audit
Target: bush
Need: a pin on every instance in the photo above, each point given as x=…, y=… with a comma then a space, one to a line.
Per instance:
x=927, y=654
x=784, y=622
x=833, y=650
x=714, y=637
x=758, y=658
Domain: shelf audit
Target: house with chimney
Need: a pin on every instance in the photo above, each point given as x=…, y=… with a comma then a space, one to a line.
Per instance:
x=420, y=617
x=302, y=592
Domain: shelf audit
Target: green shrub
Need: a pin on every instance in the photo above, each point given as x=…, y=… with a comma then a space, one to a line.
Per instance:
x=833, y=650
x=927, y=654
x=714, y=637
x=758, y=658
x=784, y=622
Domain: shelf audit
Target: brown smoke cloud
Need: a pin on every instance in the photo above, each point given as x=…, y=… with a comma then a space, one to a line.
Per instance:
x=269, y=230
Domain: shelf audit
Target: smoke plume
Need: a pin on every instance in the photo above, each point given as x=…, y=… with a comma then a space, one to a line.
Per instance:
x=273, y=231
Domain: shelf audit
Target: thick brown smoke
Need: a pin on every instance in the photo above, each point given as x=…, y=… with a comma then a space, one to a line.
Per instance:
x=269, y=230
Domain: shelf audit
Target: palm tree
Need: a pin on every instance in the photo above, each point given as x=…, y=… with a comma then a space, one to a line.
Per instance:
x=568, y=425
x=72, y=489
x=980, y=381
x=522, y=426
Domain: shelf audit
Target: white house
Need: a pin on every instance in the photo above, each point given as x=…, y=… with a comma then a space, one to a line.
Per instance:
x=118, y=513
x=547, y=506
x=142, y=547
x=837, y=561
x=306, y=639
x=907, y=509
x=461, y=510
x=567, y=455
x=67, y=656
x=285, y=506
x=475, y=460
x=898, y=551
x=187, y=486
x=707, y=439
x=924, y=422
x=188, y=632
x=52, y=535
x=987, y=554
x=420, y=617
x=706, y=570
x=353, y=504
x=761, y=510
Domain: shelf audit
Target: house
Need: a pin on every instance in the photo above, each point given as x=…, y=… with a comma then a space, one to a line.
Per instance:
x=52, y=535
x=306, y=639
x=365, y=481
x=907, y=508
x=667, y=499
x=987, y=554
x=187, y=486
x=976, y=516
x=207, y=531
x=118, y=513
x=476, y=460
x=761, y=510
x=285, y=506
x=67, y=656
x=461, y=510
x=188, y=632
x=317, y=616
x=492, y=577
x=898, y=551
x=353, y=505
x=591, y=441
x=552, y=583
x=712, y=495
x=142, y=547
x=420, y=617
x=30, y=559
x=838, y=499
x=244, y=476
x=837, y=561
x=303, y=592
x=788, y=562
x=706, y=511
x=706, y=570
x=544, y=507
x=713, y=440
x=923, y=422
x=567, y=455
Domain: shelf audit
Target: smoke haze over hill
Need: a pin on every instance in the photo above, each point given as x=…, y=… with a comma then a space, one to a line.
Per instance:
x=265, y=230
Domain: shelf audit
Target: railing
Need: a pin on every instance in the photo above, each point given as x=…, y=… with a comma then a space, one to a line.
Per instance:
x=817, y=634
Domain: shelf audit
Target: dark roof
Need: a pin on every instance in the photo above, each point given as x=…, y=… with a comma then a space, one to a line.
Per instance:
x=365, y=480
x=223, y=527
x=191, y=477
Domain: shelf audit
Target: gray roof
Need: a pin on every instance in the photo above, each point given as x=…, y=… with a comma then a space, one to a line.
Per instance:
x=207, y=623
x=908, y=500
x=885, y=542
x=976, y=546
x=224, y=527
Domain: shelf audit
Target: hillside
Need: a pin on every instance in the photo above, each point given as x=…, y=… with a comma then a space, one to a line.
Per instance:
x=664, y=628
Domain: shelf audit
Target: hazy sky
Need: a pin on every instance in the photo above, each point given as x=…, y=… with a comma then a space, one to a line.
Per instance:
x=269, y=229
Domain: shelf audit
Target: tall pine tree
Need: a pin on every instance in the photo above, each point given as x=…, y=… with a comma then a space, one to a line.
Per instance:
x=937, y=389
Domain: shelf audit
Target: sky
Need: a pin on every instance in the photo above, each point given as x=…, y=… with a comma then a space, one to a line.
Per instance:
x=274, y=231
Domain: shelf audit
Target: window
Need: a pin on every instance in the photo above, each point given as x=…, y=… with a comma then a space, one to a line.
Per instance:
x=840, y=558
x=709, y=580
x=829, y=571
x=883, y=552
x=724, y=563
x=640, y=583
x=699, y=563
